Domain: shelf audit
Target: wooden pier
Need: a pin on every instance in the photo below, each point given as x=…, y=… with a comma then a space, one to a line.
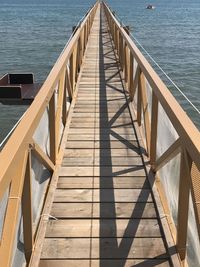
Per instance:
x=104, y=205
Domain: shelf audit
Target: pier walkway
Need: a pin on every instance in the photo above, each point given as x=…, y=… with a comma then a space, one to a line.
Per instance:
x=105, y=213
x=103, y=170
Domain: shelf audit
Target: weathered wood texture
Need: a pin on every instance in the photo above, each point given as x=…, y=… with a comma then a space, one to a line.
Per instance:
x=104, y=210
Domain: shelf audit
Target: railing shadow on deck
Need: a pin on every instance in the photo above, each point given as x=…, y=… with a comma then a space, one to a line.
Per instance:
x=172, y=141
x=118, y=249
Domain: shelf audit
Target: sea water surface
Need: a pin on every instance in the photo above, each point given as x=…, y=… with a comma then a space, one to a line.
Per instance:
x=33, y=33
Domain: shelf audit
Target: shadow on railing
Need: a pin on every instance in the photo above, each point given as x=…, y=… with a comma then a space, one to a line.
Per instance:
x=172, y=141
x=50, y=110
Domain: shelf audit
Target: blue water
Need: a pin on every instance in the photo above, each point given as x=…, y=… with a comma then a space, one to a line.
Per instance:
x=33, y=33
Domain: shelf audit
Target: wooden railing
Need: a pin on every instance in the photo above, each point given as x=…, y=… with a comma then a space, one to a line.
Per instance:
x=188, y=142
x=15, y=158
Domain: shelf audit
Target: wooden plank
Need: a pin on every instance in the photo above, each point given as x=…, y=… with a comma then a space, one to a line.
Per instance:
x=66, y=248
x=103, y=210
x=110, y=263
x=105, y=171
x=101, y=124
x=101, y=120
x=103, y=182
x=132, y=145
x=72, y=210
x=104, y=228
x=98, y=137
x=73, y=195
x=101, y=153
x=73, y=248
x=105, y=161
x=105, y=195
x=98, y=115
x=128, y=248
x=103, y=131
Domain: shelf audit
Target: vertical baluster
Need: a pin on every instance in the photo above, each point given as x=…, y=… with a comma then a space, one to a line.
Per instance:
x=73, y=67
x=79, y=55
x=183, y=203
x=52, y=129
x=124, y=61
x=61, y=90
x=83, y=41
x=127, y=65
x=154, y=127
x=75, y=64
x=68, y=85
x=27, y=211
x=85, y=36
x=117, y=41
x=139, y=99
x=130, y=76
x=145, y=110
x=87, y=31
x=64, y=110
x=121, y=51
x=114, y=32
x=120, y=48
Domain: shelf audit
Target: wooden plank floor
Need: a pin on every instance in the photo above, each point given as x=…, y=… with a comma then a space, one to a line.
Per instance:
x=104, y=209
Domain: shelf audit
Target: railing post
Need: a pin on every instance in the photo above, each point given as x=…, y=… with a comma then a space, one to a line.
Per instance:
x=117, y=41
x=142, y=83
x=61, y=89
x=183, y=203
x=68, y=85
x=130, y=75
x=52, y=129
x=126, y=63
x=139, y=99
x=114, y=32
x=121, y=58
x=27, y=211
x=64, y=109
x=73, y=67
x=85, y=36
x=82, y=43
x=154, y=128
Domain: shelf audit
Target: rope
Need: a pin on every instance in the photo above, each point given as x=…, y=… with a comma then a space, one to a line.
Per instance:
x=161, y=69
x=47, y=216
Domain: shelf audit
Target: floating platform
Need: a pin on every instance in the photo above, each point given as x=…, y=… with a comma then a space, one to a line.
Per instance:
x=18, y=88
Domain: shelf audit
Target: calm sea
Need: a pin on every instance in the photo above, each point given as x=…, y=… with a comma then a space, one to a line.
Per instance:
x=33, y=33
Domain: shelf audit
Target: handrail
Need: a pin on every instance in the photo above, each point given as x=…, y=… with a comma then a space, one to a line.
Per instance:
x=15, y=158
x=188, y=142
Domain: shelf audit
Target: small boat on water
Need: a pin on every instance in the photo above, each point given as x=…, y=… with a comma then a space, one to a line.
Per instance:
x=150, y=7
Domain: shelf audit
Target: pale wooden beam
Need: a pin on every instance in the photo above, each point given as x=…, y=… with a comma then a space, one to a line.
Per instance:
x=154, y=130
x=27, y=211
x=43, y=158
x=183, y=204
x=12, y=212
x=169, y=154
